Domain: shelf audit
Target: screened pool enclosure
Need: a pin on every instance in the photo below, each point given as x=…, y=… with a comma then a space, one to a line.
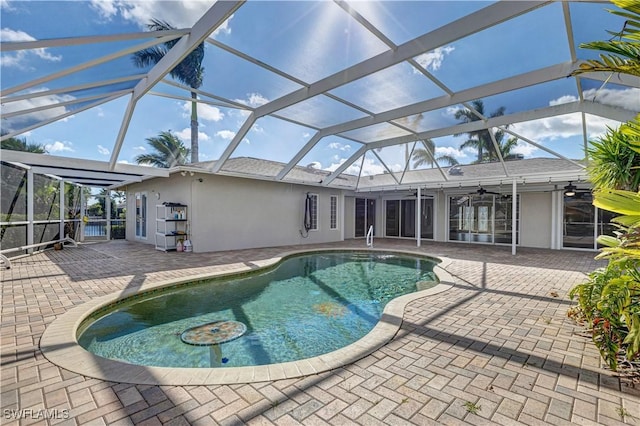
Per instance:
x=408, y=107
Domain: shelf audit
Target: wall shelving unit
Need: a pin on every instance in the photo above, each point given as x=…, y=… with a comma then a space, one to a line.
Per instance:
x=171, y=225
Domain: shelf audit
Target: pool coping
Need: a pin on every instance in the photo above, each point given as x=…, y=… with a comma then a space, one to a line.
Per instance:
x=60, y=346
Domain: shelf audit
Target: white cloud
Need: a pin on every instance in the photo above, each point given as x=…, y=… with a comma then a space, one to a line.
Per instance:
x=19, y=59
x=125, y=162
x=224, y=28
x=226, y=134
x=14, y=123
x=178, y=14
x=340, y=146
x=185, y=136
x=562, y=127
x=628, y=98
x=102, y=150
x=525, y=149
x=253, y=100
x=336, y=164
x=139, y=148
x=563, y=100
x=205, y=112
x=432, y=61
x=450, y=151
x=58, y=146
x=570, y=125
x=369, y=167
x=106, y=8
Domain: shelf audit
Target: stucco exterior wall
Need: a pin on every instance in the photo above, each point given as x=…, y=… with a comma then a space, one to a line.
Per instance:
x=349, y=215
x=228, y=213
x=535, y=219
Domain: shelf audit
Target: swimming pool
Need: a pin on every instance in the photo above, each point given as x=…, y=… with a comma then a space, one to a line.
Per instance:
x=305, y=306
x=59, y=342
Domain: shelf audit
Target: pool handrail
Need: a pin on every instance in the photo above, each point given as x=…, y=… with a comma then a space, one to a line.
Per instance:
x=370, y=237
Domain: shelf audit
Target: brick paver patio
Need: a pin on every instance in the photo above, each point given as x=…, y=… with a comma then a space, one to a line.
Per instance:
x=497, y=348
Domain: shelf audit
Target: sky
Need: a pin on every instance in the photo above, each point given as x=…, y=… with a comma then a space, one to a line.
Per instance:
x=308, y=41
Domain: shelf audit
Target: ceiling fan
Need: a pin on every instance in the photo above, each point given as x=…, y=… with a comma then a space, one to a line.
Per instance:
x=571, y=190
x=481, y=191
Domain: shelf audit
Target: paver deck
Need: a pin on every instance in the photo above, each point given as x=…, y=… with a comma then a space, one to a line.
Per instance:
x=497, y=348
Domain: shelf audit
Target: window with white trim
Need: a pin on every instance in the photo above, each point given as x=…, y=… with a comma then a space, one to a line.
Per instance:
x=333, y=215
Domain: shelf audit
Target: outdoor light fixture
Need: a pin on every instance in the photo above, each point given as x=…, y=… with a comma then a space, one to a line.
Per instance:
x=570, y=190
x=183, y=173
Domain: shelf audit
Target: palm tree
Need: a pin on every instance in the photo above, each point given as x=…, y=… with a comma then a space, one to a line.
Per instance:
x=479, y=139
x=507, y=147
x=427, y=156
x=169, y=151
x=21, y=144
x=613, y=164
x=190, y=72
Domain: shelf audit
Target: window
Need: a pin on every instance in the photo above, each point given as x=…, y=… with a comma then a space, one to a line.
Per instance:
x=334, y=212
x=313, y=212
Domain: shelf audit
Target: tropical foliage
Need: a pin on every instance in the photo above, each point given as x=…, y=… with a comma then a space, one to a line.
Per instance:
x=169, y=151
x=427, y=156
x=190, y=72
x=623, y=50
x=481, y=139
x=21, y=144
x=610, y=300
x=613, y=162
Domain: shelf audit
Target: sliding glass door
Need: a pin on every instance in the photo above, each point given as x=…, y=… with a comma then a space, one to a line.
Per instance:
x=583, y=223
x=400, y=218
x=365, y=216
x=481, y=218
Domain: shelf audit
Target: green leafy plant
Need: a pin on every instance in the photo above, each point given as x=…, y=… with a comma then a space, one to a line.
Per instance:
x=472, y=407
x=609, y=302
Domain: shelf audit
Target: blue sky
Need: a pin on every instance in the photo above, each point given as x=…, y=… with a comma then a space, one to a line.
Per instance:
x=312, y=40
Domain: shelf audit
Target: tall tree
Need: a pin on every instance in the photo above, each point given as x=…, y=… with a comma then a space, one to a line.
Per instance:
x=507, y=147
x=169, y=151
x=427, y=156
x=190, y=72
x=21, y=144
x=479, y=139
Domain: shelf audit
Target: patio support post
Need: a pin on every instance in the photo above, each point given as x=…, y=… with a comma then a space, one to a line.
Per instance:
x=107, y=208
x=62, y=204
x=419, y=218
x=83, y=212
x=554, y=221
x=30, y=199
x=514, y=212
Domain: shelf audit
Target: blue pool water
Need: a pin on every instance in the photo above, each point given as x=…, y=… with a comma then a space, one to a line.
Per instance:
x=306, y=306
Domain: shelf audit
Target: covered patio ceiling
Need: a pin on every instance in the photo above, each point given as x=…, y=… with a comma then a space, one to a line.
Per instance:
x=339, y=89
